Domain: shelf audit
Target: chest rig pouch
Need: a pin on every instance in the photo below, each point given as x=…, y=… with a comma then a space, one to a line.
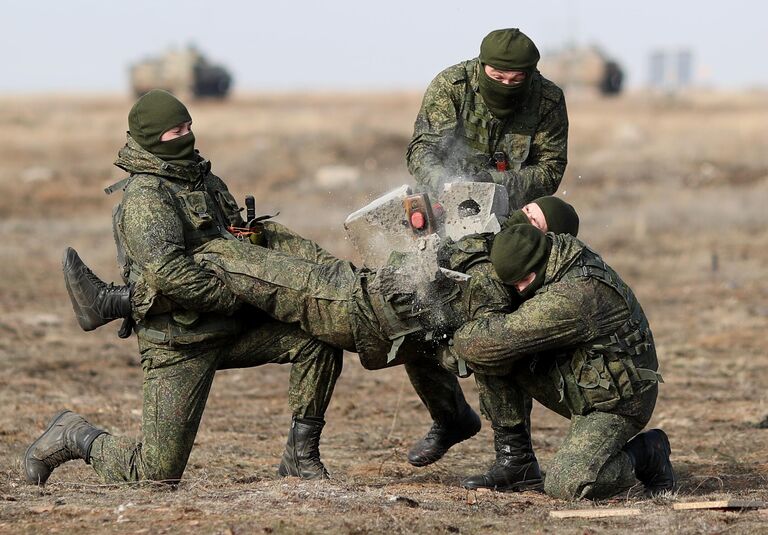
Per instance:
x=485, y=135
x=201, y=215
x=611, y=368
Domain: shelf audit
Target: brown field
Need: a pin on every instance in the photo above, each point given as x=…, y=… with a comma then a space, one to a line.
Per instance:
x=673, y=192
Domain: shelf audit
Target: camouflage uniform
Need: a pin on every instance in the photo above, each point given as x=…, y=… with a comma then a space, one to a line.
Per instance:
x=455, y=136
x=583, y=348
x=350, y=308
x=189, y=324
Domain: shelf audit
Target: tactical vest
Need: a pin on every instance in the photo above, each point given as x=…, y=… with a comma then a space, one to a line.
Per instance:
x=610, y=369
x=205, y=216
x=204, y=219
x=484, y=135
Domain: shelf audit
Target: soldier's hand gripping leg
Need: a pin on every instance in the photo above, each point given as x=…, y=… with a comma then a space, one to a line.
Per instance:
x=302, y=451
x=95, y=302
x=515, y=468
x=649, y=453
x=67, y=437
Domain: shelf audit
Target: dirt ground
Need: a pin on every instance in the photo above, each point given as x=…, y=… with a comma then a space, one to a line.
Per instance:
x=673, y=192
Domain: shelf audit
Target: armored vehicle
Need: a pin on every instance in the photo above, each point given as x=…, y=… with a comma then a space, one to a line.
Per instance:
x=185, y=73
x=583, y=70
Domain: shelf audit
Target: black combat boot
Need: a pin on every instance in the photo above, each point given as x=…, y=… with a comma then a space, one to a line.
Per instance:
x=441, y=437
x=649, y=453
x=515, y=468
x=302, y=451
x=95, y=302
x=67, y=437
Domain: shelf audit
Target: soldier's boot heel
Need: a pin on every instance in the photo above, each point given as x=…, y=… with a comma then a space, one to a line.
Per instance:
x=67, y=437
x=301, y=457
x=649, y=453
x=95, y=302
x=515, y=468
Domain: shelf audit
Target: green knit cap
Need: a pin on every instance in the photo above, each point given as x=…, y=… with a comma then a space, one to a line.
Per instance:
x=561, y=217
x=519, y=250
x=509, y=50
x=153, y=114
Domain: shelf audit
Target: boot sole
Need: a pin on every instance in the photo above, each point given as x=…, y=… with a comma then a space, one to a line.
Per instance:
x=53, y=422
x=66, y=267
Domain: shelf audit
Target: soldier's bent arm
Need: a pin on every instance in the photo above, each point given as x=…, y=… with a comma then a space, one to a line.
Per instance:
x=155, y=242
x=543, y=170
x=486, y=294
x=553, y=319
x=433, y=131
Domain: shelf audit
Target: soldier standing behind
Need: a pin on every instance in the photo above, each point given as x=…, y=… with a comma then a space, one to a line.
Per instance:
x=191, y=324
x=493, y=118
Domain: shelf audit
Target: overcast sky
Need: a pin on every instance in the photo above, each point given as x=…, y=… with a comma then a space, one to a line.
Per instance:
x=87, y=45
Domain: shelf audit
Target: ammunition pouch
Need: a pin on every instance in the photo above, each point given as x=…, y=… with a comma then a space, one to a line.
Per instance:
x=589, y=380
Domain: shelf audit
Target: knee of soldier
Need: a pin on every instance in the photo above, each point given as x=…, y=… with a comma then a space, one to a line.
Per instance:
x=568, y=482
x=166, y=465
x=162, y=473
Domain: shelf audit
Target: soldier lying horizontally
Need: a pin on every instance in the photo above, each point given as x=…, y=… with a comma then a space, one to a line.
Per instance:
x=294, y=280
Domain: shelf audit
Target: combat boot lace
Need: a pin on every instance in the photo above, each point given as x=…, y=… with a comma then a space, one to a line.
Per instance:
x=441, y=437
x=649, y=453
x=515, y=469
x=302, y=451
x=67, y=437
x=95, y=302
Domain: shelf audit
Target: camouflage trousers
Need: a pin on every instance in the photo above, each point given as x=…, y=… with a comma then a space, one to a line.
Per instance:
x=176, y=386
x=590, y=463
x=298, y=281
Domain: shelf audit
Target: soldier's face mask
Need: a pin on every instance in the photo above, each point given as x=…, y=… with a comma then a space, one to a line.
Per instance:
x=501, y=98
x=176, y=144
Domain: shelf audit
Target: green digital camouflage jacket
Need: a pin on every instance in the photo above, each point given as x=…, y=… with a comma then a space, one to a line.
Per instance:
x=455, y=136
x=583, y=327
x=166, y=213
